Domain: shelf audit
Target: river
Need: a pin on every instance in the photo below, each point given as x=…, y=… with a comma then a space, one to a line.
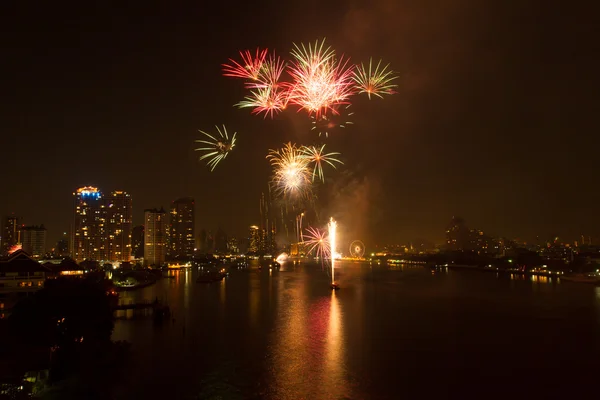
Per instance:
x=388, y=333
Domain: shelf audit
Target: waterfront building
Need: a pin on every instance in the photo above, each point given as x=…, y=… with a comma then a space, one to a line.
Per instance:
x=34, y=240
x=118, y=226
x=88, y=238
x=155, y=236
x=19, y=276
x=181, y=230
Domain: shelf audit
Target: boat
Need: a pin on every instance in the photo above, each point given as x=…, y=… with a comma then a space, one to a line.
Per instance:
x=211, y=277
x=335, y=286
x=581, y=278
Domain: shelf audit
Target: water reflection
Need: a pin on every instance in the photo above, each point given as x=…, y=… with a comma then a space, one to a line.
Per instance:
x=333, y=374
x=307, y=358
x=285, y=335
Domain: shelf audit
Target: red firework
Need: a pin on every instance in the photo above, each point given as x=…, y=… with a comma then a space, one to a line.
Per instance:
x=250, y=66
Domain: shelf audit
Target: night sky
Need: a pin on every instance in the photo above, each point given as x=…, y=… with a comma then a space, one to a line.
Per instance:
x=494, y=120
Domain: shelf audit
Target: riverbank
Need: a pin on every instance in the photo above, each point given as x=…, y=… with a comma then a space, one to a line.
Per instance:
x=517, y=271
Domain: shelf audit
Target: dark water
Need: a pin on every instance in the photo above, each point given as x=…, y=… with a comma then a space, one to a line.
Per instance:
x=387, y=334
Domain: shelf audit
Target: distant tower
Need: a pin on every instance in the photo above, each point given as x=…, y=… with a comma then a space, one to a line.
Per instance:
x=155, y=236
x=181, y=236
x=88, y=240
x=62, y=246
x=11, y=234
x=220, y=241
x=34, y=241
x=118, y=226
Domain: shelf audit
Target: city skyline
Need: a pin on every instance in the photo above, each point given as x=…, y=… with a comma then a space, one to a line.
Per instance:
x=54, y=237
x=474, y=130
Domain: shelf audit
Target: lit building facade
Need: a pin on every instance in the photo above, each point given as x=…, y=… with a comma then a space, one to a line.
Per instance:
x=181, y=230
x=155, y=236
x=118, y=226
x=34, y=240
x=11, y=234
x=254, y=239
x=88, y=237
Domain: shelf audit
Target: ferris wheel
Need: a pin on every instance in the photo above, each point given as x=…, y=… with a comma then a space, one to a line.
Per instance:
x=357, y=249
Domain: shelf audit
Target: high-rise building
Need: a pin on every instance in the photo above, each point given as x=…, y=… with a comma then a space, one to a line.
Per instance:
x=254, y=240
x=155, y=236
x=137, y=241
x=11, y=234
x=88, y=237
x=181, y=230
x=34, y=240
x=118, y=226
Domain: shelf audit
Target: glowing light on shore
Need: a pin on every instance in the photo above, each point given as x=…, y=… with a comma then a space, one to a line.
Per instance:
x=283, y=257
x=332, y=246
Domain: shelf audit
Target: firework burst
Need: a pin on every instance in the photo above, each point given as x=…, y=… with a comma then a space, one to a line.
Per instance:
x=317, y=157
x=374, y=81
x=217, y=148
x=320, y=81
x=317, y=242
x=291, y=172
x=250, y=66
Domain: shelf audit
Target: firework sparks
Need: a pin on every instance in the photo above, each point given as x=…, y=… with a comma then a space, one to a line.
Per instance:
x=291, y=173
x=217, y=147
x=317, y=242
x=264, y=100
x=250, y=66
x=269, y=75
x=338, y=118
x=317, y=156
x=375, y=81
x=320, y=81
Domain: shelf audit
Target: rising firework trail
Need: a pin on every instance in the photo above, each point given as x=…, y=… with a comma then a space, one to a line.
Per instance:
x=332, y=248
x=374, y=81
x=217, y=147
x=317, y=157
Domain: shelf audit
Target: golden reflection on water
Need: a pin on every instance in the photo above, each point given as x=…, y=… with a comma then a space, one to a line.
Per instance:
x=333, y=373
x=290, y=352
x=308, y=351
x=223, y=291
